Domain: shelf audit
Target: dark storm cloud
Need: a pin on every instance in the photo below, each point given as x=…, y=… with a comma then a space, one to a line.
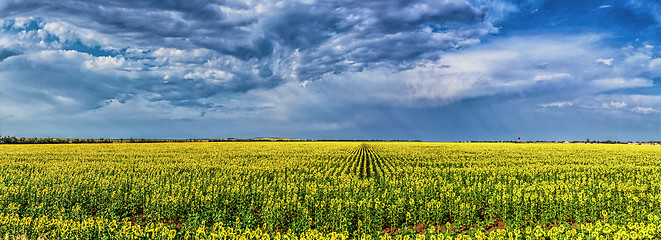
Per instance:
x=354, y=35
x=157, y=23
x=238, y=30
x=5, y=53
x=247, y=45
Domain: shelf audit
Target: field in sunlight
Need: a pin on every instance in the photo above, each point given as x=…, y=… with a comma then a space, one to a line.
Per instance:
x=330, y=190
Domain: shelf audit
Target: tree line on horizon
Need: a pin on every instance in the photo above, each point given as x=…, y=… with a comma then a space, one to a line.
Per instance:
x=49, y=140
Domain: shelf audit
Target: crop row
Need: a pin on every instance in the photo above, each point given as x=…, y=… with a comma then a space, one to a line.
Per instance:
x=365, y=162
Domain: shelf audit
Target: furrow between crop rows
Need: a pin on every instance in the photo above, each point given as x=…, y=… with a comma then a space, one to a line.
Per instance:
x=364, y=162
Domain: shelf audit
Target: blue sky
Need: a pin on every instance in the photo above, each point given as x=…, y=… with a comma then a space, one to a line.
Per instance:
x=446, y=70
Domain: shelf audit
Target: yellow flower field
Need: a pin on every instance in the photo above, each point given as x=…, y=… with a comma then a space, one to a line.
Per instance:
x=330, y=190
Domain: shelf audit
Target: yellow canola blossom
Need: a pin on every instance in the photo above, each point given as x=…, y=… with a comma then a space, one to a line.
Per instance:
x=330, y=190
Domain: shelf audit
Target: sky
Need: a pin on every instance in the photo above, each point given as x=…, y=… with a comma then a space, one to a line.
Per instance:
x=431, y=70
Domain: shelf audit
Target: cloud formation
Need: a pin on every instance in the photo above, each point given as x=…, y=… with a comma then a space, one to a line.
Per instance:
x=189, y=50
x=307, y=62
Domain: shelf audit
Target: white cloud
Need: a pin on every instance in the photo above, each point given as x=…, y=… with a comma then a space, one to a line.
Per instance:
x=645, y=110
x=103, y=63
x=551, y=76
x=213, y=75
x=57, y=57
x=67, y=32
x=64, y=99
x=513, y=65
x=530, y=65
x=183, y=56
x=607, y=61
x=620, y=83
x=558, y=104
x=613, y=104
x=655, y=66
